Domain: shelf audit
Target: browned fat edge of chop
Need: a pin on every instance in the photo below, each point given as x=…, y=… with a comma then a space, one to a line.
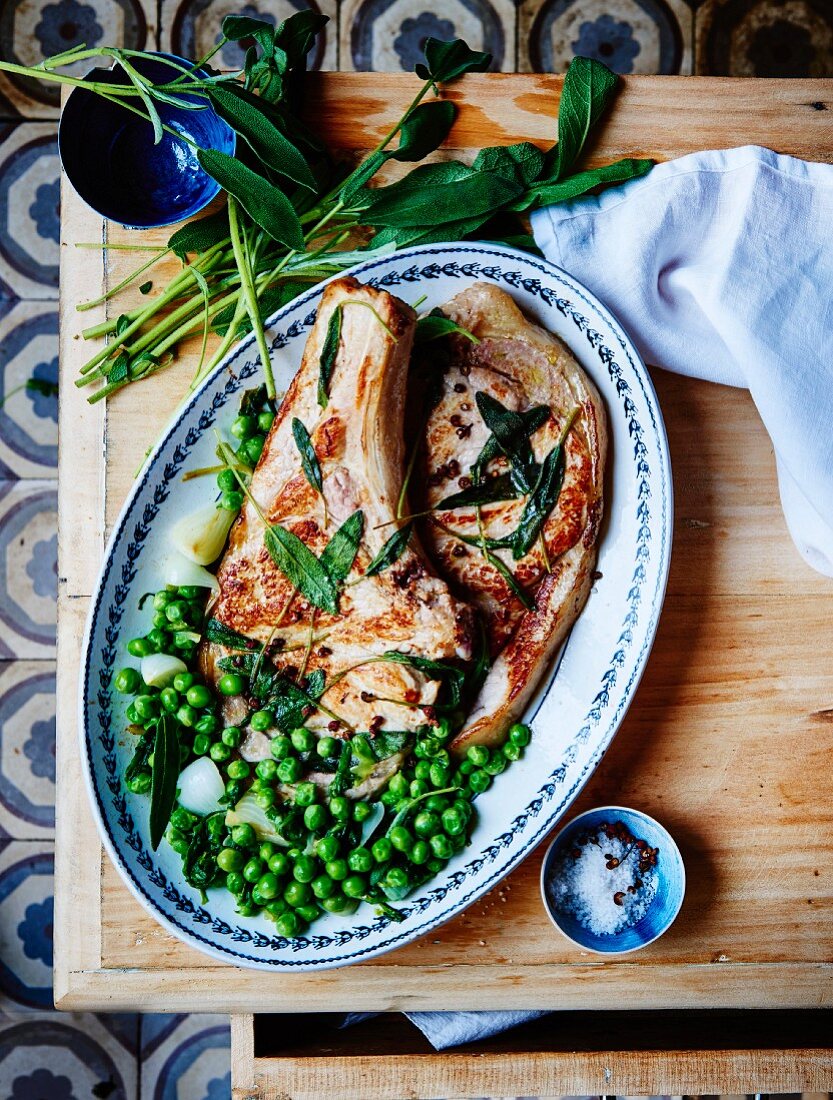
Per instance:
x=359, y=446
x=522, y=366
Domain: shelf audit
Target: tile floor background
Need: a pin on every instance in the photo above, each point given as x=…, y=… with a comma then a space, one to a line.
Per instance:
x=50, y=1056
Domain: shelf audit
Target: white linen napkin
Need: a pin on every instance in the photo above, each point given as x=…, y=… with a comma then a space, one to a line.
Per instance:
x=451, y=1029
x=720, y=265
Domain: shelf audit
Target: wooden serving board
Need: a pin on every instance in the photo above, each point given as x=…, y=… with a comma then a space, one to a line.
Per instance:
x=730, y=737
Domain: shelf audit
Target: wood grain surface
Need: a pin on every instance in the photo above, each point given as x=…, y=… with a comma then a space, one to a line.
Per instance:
x=728, y=741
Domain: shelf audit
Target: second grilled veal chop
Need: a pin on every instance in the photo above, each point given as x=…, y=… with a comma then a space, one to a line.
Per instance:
x=358, y=441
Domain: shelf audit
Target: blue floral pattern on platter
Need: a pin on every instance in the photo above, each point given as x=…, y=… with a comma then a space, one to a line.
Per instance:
x=639, y=532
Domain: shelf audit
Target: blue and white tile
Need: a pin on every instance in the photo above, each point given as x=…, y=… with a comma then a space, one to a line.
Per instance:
x=27, y=749
x=190, y=28
x=630, y=36
x=28, y=568
x=765, y=38
x=29, y=210
x=388, y=35
x=28, y=412
x=190, y=1060
x=31, y=30
x=26, y=913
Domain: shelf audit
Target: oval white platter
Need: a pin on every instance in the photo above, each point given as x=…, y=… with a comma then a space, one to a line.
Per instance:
x=576, y=711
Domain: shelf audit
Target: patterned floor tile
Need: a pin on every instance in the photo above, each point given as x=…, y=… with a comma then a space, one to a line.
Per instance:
x=765, y=38
x=630, y=36
x=28, y=568
x=63, y=1056
x=26, y=908
x=27, y=749
x=28, y=402
x=29, y=198
x=191, y=27
x=189, y=1061
x=388, y=35
x=33, y=29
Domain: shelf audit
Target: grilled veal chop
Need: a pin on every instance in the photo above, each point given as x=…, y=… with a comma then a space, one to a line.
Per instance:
x=358, y=442
x=523, y=367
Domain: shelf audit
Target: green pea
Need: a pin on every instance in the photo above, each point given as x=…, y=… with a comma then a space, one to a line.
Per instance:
x=436, y=803
x=323, y=886
x=354, y=886
x=327, y=746
x=258, y=898
x=161, y=599
x=388, y=798
x=233, y=789
x=231, y=736
x=281, y=747
x=266, y=799
x=338, y=903
x=208, y=723
x=279, y=863
x=418, y=788
x=401, y=838
x=441, y=846
x=519, y=734
x=360, y=859
x=140, y=647
x=229, y=859
x=160, y=619
x=426, y=824
x=480, y=781
x=512, y=751
x=453, y=822
x=422, y=769
x=219, y=752
x=496, y=765
x=382, y=850
x=336, y=869
x=277, y=908
x=253, y=870
x=340, y=808
x=267, y=770
x=158, y=641
x=302, y=740
x=297, y=893
x=242, y=427
x=245, y=908
x=175, y=612
x=261, y=721
x=189, y=591
x=231, y=500
x=315, y=818
x=146, y=707
x=237, y=769
x=463, y=808
x=230, y=684
x=308, y=913
x=305, y=794
x=268, y=886
x=305, y=869
x=183, y=820
x=169, y=698
x=127, y=681
x=198, y=696
x=362, y=811
x=235, y=883
x=434, y=865
x=183, y=680
x=289, y=770
x=466, y=767
x=179, y=843
x=398, y=785
x=226, y=480
x=265, y=421
x=478, y=754
x=139, y=783
x=254, y=449
x=397, y=877
x=421, y=750
x=187, y=715
x=442, y=758
x=326, y=847
x=288, y=925
x=243, y=835
x=420, y=852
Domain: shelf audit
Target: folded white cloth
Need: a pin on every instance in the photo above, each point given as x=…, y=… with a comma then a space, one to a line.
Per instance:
x=451, y=1029
x=720, y=265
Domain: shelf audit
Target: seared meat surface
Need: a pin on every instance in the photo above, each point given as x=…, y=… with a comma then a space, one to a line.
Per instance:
x=522, y=367
x=358, y=442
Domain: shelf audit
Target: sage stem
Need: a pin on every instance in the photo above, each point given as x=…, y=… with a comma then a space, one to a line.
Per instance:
x=250, y=296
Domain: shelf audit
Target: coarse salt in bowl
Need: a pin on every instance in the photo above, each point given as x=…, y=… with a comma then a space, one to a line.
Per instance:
x=578, y=886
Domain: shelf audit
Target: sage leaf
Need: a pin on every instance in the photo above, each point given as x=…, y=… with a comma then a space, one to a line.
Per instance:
x=165, y=775
x=436, y=325
x=391, y=552
x=301, y=567
x=540, y=503
x=445, y=61
x=263, y=202
x=309, y=459
x=43, y=386
x=340, y=552
x=487, y=492
x=361, y=175
x=588, y=86
x=223, y=635
x=199, y=236
x=545, y=194
x=139, y=760
x=404, y=237
x=434, y=194
x=327, y=359
x=533, y=419
x=452, y=676
x=236, y=27
x=424, y=129
x=522, y=163
x=146, y=288
x=296, y=35
x=243, y=113
x=510, y=430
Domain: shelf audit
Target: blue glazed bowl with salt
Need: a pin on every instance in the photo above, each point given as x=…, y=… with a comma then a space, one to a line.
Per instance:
x=110, y=158
x=654, y=911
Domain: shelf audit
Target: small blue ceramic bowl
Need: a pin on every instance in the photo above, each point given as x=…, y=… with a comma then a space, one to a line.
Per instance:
x=110, y=159
x=670, y=882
